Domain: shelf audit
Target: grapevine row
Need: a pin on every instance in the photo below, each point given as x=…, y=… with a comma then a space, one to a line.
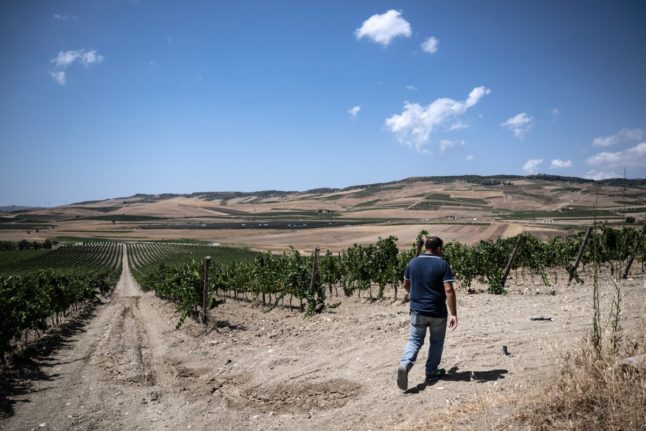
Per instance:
x=48, y=285
x=276, y=279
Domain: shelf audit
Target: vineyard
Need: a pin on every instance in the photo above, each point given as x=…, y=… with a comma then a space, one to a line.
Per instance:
x=143, y=255
x=252, y=360
x=85, y=256
x=36, y=286
x=287, y=279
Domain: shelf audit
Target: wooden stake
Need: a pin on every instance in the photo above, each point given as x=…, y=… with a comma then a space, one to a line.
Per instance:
x=584, y=241
x=315, y=270
x=205, y=290
x=634, y=253
x=510, y=262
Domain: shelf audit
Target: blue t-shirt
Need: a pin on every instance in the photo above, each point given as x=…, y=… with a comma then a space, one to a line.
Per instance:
x=427, y=274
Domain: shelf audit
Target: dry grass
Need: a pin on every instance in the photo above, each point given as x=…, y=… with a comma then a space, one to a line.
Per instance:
x=591, y=392
x=484, y=412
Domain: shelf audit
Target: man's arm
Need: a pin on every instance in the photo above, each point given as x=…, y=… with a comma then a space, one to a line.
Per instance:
x=452, y=303
x=407, y=285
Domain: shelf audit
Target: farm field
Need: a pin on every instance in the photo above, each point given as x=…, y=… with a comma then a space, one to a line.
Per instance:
x=126, y=366
x=465, y=209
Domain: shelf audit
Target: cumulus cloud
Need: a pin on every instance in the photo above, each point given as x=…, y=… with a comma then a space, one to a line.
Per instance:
x=384, y=28
x=64, y=18
x=354, y=111
x=58, y=77
x=599, y=175
x=470, y=158
x=446, y=145
x=633, y=156
x=519, y=124
x=65, y=59
x=560, y=164
x=624, y=135
x=430, y=45
x=531, y=166
x=414, y=125
x=458, y=125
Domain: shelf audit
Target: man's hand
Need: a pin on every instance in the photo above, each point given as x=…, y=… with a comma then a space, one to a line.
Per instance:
x=453, y=322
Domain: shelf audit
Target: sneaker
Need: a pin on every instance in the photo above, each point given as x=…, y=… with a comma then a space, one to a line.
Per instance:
x=435, y=375
x=402, y=377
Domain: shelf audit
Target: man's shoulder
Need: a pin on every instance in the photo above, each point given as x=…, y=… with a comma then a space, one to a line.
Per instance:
x=431, y=258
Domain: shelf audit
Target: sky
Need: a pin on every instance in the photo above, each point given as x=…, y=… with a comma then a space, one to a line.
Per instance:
x=109, y=98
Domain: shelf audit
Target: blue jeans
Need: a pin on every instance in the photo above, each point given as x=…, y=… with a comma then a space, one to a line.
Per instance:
x=418, y=325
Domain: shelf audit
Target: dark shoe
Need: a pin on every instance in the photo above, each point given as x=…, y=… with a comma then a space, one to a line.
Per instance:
x=435, y=375
x=402, y=377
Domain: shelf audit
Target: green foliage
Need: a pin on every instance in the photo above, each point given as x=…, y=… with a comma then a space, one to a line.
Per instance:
x=272, y=278
x=82, y=256
x=38, y=284
x=181, y=283
x=27, y=300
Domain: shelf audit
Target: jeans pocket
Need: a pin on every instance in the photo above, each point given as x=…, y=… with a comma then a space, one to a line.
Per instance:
x=417, y=319
x=413, y=319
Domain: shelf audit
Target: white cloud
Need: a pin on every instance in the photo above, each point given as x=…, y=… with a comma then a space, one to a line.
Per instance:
x=354, y=111
x=470, y=157
x=411, y=87
x=384, y=28
x=560, y=164
x=64, y=18
x=598, y=175
x=531, y=165
x=65, y=59
x=556, y=113
x=519, y=124
x=458, y=125
x=90, y=57
x=430, y=45
x=58, y=77
x=446, y=145
x=624, y=135
x=633, y=156
x=414, y=125
x=475, y=96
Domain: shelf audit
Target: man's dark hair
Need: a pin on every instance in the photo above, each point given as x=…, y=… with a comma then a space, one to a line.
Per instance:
x=433, y=243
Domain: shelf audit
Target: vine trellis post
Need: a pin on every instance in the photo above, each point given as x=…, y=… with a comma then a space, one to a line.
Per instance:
x=315, y=270
x=205, y=289
x=632, y=255
x=579, y=255
x=510, y=262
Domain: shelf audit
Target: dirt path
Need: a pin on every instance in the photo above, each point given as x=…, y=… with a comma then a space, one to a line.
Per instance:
x=110, y=375
x=128, y=368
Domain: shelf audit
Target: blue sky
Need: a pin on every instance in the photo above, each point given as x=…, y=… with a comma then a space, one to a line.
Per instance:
x=110, y=98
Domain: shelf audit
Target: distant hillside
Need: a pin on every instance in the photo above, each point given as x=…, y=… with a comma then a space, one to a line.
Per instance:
x=473, y=179
x=471, y=207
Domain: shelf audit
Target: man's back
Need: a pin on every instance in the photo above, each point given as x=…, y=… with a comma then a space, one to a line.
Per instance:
x=427, y=274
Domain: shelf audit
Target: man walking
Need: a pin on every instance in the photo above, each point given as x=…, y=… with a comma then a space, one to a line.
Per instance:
x=429, y=281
